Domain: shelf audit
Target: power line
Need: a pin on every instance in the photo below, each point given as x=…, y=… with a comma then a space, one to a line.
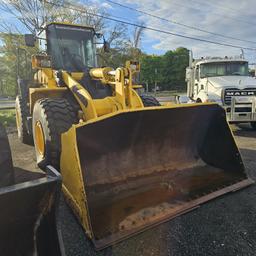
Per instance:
x=179, y=23
x=151, y=28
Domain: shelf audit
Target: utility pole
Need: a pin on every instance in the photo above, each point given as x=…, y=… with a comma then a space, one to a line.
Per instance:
x=155, y=80
x=1, y=88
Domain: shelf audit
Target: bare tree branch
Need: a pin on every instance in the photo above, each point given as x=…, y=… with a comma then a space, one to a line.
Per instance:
x=33, y=13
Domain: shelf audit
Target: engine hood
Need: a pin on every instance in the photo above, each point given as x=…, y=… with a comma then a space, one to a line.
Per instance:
x=239, y=82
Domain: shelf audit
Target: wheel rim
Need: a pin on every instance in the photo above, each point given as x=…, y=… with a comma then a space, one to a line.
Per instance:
x=39, y=138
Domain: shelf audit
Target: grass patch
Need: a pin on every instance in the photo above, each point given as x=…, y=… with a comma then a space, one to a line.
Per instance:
x=7, y=117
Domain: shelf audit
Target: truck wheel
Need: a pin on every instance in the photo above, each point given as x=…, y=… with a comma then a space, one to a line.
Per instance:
x=253, y=125
x=149, y=101
x=51, y=118
x=22, y=113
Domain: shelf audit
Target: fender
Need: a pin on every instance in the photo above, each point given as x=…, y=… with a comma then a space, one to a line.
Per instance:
x=202, y=95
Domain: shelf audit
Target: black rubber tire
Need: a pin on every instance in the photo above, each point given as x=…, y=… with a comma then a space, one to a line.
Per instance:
x=253, y=125
x=6, y=167
x=22, y=112
x=56, y=117
x=149, y=101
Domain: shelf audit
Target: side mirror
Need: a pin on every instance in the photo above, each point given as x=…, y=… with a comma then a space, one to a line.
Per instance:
x=188, y=74
x=106, y=46
x=30, y=40
x=98, y=35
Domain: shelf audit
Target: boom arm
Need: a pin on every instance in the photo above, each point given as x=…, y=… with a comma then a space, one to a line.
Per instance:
x=124, y=96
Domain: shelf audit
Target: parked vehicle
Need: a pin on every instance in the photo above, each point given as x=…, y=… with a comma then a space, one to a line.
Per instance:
x=225, y=81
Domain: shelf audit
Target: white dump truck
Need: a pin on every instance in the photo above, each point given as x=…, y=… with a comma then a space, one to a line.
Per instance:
x=225, y=81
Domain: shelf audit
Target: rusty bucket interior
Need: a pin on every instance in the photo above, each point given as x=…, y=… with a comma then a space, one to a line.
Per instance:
x=143, y=167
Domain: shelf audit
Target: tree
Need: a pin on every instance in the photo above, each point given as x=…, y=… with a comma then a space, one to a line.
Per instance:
x=8, y=65
x=151, y=66
x=134, y=49
x=123, y=47
x=118, y=40
x=34, y=13
x=167, y=70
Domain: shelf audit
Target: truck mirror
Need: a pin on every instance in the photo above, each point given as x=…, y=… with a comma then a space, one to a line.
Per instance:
x=188, y=74
x=30, y=40
x=98, y=35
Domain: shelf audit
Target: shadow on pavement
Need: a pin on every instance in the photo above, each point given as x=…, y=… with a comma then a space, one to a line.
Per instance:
x=244, y=130
x=249, y=156
x=22, y=175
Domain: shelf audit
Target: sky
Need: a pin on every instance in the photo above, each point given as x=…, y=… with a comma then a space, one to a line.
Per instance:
x=231, y=18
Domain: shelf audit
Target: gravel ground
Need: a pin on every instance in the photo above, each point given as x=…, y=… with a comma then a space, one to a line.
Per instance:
x=222, y=227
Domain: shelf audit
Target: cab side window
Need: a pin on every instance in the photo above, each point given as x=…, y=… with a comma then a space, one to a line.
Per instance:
x=42, y=42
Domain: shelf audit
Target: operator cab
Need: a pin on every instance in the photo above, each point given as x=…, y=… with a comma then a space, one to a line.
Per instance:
x=71, y=47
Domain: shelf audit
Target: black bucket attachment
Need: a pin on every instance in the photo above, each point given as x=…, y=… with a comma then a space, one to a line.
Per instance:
x=6, y=168
x=28, y=209
x=143, y=167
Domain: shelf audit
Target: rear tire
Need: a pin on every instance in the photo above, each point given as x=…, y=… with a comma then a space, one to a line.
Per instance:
x=22, y=112
x=253, y=125
x=51, y=118
x=149, y=101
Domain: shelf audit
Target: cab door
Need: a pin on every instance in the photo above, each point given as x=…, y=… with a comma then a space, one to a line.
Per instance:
x=196, y=79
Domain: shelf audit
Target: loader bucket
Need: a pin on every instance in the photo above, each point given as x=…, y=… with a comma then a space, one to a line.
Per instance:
x=28, y=202
x=143, y=167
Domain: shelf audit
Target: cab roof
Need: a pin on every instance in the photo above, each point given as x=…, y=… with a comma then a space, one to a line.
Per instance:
x=218, y=60
x=69, y=25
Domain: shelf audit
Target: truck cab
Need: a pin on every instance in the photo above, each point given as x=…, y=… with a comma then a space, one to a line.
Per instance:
x=225, y=81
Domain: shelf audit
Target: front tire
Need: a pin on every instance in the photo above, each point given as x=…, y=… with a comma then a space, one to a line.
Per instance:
x=51, y=118
x=253, y=125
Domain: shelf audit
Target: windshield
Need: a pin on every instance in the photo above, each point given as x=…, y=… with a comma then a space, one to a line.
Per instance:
x=71, y=48
x=224, y=69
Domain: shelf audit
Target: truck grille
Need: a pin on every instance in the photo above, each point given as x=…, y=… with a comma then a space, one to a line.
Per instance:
x=233, y=92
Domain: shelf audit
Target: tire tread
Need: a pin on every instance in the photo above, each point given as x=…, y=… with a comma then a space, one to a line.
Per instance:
x=149, y=101
x=59, y=116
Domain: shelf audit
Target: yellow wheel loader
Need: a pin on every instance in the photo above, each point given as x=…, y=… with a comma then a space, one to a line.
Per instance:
x=127, y=163
x=28, y=201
